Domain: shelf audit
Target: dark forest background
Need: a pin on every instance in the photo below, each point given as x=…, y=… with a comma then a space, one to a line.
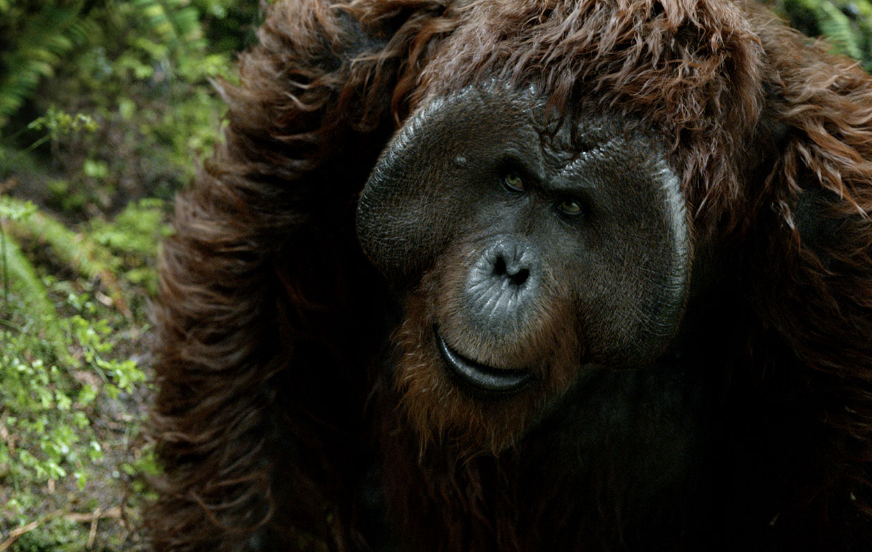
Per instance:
x=105, y=107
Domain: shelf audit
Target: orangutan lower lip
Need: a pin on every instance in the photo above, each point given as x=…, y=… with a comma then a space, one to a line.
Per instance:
x=479, y=376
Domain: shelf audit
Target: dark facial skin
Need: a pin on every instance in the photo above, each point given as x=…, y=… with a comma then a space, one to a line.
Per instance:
x=535, y=251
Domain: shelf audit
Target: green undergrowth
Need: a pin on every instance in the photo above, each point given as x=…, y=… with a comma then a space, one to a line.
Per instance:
x=73, y=323
x=104, y=108
x=845, y=24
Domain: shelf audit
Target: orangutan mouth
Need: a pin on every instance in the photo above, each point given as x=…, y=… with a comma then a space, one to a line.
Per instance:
x=479, y=377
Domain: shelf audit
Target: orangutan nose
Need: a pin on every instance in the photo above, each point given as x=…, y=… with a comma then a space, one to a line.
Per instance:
x=502, y=287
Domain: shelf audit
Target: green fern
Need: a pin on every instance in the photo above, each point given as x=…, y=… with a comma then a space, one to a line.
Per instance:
x=840, y=31
x=846, y=24
x=20, y=277
x=39, y=37
x=172, y=20
x=76, y=250
x=37, y=50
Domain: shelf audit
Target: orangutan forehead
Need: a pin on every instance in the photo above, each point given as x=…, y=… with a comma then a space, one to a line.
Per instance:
x=639, y=53
x=691, y=72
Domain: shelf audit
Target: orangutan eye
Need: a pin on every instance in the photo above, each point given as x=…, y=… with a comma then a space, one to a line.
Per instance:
x=513, y=182
x=570, y=208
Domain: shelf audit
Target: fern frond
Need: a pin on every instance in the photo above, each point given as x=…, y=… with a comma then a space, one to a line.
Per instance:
x=76, y=250
x=839, y=30
x=31, y=293
x=174, y=21
x=845, y=24
x=40, y=47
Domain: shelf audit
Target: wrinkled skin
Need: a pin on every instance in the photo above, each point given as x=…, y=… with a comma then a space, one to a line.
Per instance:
x=534, y=250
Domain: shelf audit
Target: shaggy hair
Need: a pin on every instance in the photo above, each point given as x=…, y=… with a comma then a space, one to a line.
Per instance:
x=275, y=407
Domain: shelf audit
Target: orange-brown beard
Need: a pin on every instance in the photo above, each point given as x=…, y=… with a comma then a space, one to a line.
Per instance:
x=437, y=408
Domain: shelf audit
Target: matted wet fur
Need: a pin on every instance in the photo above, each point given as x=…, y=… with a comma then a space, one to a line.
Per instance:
x=278, y=417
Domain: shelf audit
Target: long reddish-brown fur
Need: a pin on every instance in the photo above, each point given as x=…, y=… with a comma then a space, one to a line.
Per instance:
x=273, y=403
